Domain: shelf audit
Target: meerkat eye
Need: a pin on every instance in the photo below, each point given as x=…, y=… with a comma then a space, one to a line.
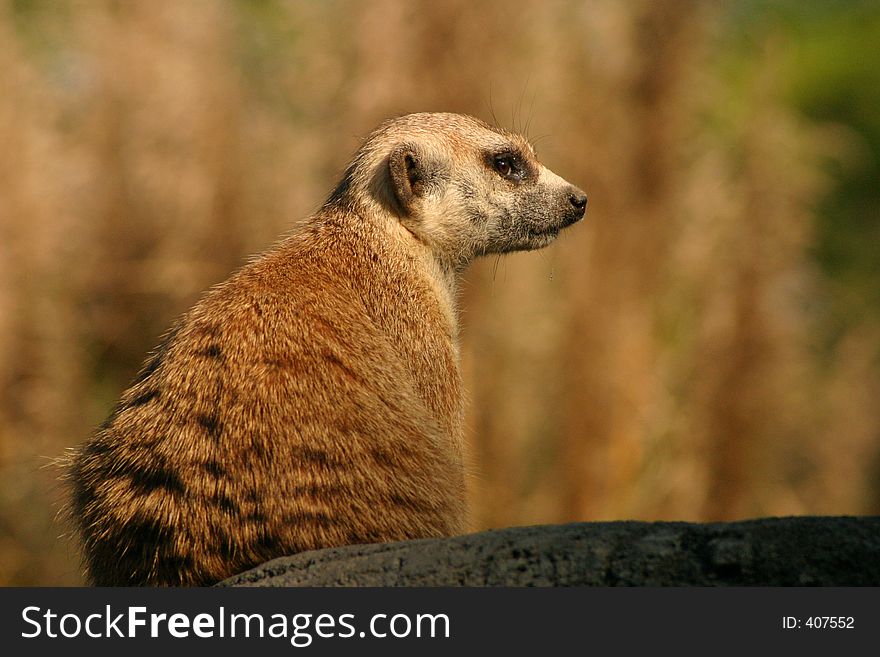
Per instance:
x=504, y=165
x=508, y=166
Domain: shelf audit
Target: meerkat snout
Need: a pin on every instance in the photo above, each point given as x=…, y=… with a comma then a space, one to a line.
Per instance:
x=578, y=201
x=314, y=398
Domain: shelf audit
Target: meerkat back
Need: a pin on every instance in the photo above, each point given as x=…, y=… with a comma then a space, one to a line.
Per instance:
x=314, y=399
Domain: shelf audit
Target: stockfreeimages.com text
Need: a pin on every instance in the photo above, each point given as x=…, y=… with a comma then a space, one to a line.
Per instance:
x=300, y=629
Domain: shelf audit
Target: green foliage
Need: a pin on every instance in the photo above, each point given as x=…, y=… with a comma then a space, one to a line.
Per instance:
x=836, y=78
x=831, y=68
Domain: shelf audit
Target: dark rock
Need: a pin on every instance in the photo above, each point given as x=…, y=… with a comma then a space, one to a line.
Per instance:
x=802, y=551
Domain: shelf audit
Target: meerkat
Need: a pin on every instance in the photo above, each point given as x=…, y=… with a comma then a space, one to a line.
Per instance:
x=314, y=398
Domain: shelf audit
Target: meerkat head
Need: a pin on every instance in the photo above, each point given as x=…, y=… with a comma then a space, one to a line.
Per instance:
x=461, y=187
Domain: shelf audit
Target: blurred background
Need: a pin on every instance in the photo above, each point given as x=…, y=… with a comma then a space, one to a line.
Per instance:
x=705, y=346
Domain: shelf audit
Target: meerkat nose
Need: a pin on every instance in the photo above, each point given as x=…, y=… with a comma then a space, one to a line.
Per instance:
x=578, y=199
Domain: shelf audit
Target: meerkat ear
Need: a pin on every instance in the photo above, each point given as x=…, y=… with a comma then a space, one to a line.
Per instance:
x=407, y=169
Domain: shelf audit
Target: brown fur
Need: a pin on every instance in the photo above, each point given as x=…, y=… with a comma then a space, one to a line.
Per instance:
x=314, y=398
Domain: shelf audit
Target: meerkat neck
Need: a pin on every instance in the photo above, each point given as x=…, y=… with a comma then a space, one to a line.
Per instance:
x=376, y=219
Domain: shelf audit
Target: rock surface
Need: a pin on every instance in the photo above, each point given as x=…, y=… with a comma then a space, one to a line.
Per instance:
x=800, y=551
